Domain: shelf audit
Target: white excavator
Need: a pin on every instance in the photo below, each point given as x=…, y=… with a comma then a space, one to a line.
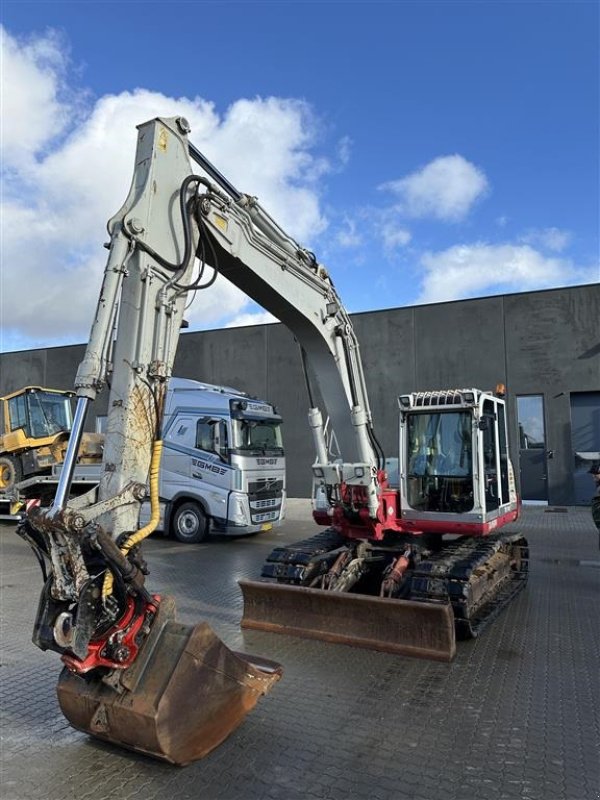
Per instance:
x=380, y=575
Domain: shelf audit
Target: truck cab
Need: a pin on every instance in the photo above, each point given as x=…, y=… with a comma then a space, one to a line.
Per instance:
x=223, y=462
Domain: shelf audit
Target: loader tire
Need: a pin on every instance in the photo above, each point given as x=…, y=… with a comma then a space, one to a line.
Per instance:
x=10, y=473
x=190, y=524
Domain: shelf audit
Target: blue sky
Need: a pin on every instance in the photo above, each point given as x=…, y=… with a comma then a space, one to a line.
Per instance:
x=426, y=151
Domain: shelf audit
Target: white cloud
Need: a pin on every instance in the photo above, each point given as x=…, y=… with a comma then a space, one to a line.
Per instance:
x=344, y=150
x=393, y=234
x=477, y=269
x=553, y=239
x=445, y=189
x=348, y=235
x=31, y=81
x=58, y=193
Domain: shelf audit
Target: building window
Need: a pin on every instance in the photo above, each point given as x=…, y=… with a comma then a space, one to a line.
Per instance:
x=532, y=448
x=530, y=412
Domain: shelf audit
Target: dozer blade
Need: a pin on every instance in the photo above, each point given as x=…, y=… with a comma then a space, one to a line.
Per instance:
x=183, y=695
x=406, y=627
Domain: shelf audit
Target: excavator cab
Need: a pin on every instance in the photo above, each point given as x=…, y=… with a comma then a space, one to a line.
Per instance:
x=453, y=462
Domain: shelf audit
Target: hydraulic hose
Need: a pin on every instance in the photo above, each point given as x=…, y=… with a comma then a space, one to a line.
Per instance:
x=187, y=234
x=144, y=532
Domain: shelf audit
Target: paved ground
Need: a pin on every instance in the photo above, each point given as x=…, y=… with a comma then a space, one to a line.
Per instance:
x=516, y=715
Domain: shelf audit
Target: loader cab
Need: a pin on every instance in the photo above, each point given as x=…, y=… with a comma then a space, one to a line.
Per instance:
x=37, y=413
x=454, y=463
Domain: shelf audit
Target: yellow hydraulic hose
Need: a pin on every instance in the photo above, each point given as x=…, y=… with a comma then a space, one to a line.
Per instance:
x=140, y=535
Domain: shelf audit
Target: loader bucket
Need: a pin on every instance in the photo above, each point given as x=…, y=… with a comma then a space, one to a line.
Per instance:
x=183, y=695
x=405, y=627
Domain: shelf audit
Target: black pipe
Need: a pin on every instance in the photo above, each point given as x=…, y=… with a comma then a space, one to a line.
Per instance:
x=214, y=173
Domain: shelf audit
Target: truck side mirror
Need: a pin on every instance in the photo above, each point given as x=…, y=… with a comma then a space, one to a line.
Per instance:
x=219, y=437
x=483, y=424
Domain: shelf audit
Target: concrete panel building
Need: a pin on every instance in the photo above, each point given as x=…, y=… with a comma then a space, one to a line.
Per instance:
x=544, y=346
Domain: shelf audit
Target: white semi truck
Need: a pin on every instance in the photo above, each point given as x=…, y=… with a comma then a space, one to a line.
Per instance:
x=223, y=464
x=222, y=467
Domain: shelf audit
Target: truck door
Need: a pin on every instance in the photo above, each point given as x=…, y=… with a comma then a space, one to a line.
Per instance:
x=211, y=466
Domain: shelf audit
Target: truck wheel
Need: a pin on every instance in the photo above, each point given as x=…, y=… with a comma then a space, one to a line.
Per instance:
x=10, y=473
x=190, y=524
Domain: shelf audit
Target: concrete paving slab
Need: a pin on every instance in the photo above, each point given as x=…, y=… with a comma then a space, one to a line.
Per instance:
x=516, y=715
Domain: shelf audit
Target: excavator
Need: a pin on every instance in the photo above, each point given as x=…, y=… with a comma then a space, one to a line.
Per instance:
x=381, y=574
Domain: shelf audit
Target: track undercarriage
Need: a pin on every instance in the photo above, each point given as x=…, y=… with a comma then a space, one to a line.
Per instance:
x=471, y=579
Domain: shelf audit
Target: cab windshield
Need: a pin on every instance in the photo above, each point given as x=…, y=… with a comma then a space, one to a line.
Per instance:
x=440, y=461
x=440, y=444
x=41, y=414
x=257, y=436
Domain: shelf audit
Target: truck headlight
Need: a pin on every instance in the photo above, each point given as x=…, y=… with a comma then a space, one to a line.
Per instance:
x=239, y=514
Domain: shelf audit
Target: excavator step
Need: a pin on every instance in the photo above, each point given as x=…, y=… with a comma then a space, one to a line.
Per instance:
x=404, y=627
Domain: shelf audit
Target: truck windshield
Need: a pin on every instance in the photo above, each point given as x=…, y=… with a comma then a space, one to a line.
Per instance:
x=49, y=413
x=262, y=436
x=440, y=461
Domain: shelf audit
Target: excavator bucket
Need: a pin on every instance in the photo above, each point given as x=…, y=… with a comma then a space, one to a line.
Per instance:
x=405, y=627
x=183, y=695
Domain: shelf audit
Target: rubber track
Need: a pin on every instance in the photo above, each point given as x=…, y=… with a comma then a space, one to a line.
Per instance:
x=445, y=576
x=299, y=562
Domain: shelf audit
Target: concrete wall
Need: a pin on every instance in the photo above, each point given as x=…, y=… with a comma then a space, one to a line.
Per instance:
x=535, y=343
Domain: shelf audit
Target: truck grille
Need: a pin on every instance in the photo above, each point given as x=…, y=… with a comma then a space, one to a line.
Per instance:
x=269, y=516
x=265, y=496
x=273, y=502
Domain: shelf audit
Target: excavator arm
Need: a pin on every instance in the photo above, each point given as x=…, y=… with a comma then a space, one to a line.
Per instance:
x=133, y=675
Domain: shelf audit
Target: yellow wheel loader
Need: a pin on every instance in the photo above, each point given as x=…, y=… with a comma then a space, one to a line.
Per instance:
x=34, y=431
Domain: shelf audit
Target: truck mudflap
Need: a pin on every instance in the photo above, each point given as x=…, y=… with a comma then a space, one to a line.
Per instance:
x=404, y=627
x=183, y=695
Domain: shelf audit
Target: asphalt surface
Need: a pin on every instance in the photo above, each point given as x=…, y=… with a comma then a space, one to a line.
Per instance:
x=515, y=715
